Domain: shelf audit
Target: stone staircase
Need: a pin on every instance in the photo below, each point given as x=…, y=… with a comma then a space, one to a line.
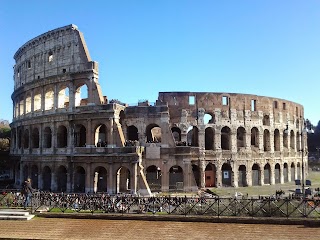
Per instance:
x=15, y=214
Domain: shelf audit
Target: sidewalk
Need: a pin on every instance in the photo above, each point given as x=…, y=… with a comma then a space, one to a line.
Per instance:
x=63, y=228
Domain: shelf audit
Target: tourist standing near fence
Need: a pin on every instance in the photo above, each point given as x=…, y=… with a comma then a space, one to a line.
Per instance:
x=27, y=191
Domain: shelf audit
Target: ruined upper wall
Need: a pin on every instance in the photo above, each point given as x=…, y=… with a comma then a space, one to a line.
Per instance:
x=225, y=102
x=62, y=50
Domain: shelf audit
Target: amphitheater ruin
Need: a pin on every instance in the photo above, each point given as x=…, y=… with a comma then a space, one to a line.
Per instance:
x=67, y=136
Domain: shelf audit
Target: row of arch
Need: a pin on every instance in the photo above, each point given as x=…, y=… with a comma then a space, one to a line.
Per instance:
x=44, y=180
x=49, y=99
x=30, y=138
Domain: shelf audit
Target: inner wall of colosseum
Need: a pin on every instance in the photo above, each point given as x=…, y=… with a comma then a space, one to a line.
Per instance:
x=67, y=136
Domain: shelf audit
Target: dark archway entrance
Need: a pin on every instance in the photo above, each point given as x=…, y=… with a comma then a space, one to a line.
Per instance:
x=61, y=179
x=256, y=175
x=176, y=178
x=46, y=179
x=210, y=175
x=266, y=172
x=79, y=180
x=226, y=175
x=242, y=181
x=277, y=173
x=154, y=178
x=123, y=180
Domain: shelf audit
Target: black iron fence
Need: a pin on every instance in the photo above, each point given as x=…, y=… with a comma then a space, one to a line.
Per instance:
x=129, y=204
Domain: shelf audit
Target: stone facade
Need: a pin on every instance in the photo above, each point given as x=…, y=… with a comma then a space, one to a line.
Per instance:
x=67, y=136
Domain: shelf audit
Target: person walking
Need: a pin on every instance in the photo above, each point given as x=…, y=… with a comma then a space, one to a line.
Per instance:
x=27, y=191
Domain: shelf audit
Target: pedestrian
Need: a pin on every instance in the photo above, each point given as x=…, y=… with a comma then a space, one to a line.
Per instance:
x=27, y=192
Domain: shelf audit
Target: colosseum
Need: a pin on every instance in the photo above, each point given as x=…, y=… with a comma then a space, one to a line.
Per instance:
x=67, y=136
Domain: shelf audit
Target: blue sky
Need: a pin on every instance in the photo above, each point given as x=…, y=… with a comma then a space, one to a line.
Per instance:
x=269, y=48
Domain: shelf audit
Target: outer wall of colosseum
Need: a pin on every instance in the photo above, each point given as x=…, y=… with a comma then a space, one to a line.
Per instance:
x=67, y=136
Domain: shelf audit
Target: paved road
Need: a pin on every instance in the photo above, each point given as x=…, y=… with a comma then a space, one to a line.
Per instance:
x=61, y=228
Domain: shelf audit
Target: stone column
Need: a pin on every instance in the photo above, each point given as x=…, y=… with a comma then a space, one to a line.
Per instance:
x=55, y=98
x=281, y=173
x=165, y=178
x=111, y=183
x=69, y=186
x=272, y=174
x=186, y=175
x=249, y=177
x=235, y=174
x=110, y=140
x=90, y=136
x=234, y=147
x=53, y=181
x=219, y=176
x=261, y=176
x=89, y=179
x=71, y=97
x=134, y=177
x=43, y=98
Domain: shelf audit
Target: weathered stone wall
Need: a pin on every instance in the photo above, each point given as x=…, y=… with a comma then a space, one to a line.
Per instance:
x=186, y=141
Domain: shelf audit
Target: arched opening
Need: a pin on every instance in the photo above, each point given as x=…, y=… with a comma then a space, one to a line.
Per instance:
x=80, y=136
x=225, y=138
x=153, y=132
x=266, y=120
x=47, y=137
x=28, y=104
x=46, y=179
x=255, y=175
x=19, y=138
x=123, y=180
x=285, y=139
x=267, y=175
x=241, y=137
x=266, y=140
x=210, y=175
x=209, y=139
x=62, y=179
x=48, y=99
x=79, y=185
x=101, y=173
x=193, y=136
x=154, y=178
x=196, y=174
x=81, y=96
x=62, y=137
x=276, y=140
x=35, y=138
x=292, y=141
x=298, y=141
x=21, y=107
x=293, y=172
x=26, y=138
x=277, y=173
x=242, y=181
x=132, y=133
x=63, y=97
x=121, y=117
x=209, y=118
x=176, y=133
x=285, y=172
x=298, y=171
x=37, y=102
x=255, y=137
x=176, y=178
x=226, y=175
x=34, y=176
x=101, y=136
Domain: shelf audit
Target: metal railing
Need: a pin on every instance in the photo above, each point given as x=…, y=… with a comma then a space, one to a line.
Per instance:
x=129, y=204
